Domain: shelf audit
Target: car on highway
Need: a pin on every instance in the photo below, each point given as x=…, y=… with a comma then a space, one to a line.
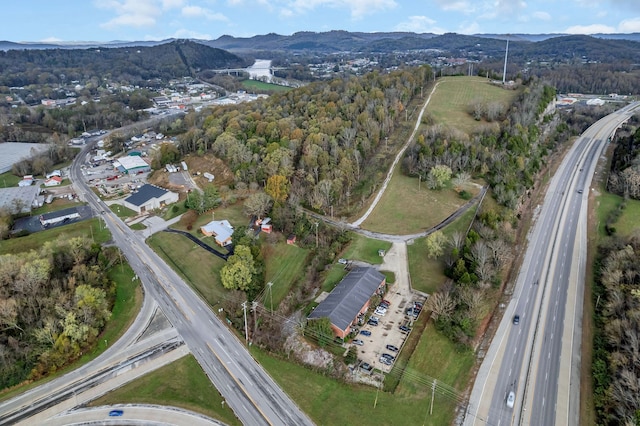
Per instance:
x=516, y=319
x=116, y=413
x=357, y=342
x=511, y=398
x=392, y=348
x=579, y=191
x=365, y=332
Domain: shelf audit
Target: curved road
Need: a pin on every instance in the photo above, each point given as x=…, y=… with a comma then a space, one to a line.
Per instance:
x=538, y=359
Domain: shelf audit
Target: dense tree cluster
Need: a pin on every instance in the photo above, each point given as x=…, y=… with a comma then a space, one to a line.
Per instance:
x=616, y=361
x=53, y=304
x=624, y=178
x=43, y=162
x=323, y=138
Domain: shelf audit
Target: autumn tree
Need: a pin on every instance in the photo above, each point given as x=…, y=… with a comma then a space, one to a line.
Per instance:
x=258, y=204
x=277, y=188
x=435, y=244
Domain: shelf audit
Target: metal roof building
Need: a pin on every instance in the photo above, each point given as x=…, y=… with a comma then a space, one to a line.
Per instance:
x=149, y=197
x=349, y=299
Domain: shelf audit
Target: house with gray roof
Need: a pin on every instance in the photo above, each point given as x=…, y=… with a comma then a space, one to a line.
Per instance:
x=350, y=299
x=221, y=230
x=149, y=197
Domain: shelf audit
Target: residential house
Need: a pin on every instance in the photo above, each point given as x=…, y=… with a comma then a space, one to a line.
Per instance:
x=220, y=230
x=149, y=197
x=53, y=181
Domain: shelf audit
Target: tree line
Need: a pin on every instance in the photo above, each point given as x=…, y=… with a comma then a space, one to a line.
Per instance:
x=54, y=302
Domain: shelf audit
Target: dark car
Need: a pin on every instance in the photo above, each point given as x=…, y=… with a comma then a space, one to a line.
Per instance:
x=365, y=332
x=516, y=319
x=392, y=348
x=389, y=357
x=405, y=328
x=372, y=322
x=115, y=413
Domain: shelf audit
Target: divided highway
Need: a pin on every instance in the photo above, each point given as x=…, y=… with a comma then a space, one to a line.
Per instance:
x=538, y=359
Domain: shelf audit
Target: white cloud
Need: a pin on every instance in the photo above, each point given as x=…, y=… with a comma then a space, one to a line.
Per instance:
x=630, y=25
x=590, y=29
x=469, y=28
x=358, y=8
x=201, y=12
x=235, y=2
x=542, y=16
x=51, y=40
x=462, y=6
x=419, y=24
x=131, y=13
x=286, y=13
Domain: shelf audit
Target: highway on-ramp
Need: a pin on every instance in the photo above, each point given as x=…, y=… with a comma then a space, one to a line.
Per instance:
x=538, y=358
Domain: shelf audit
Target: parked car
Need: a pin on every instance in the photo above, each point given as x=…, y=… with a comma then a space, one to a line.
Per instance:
x=357, y=342
x=516, y=319
x=417, y=305
x=405, y=328
x=392, y=348
x=380, y=311
x=385, y=301
x=389, y=357
x=384, y=304
x=116, y=413
x=365, y=366
x=342, y=261
x=386, y=361
x=365, y=332
x=412, y=312
x=372, y=322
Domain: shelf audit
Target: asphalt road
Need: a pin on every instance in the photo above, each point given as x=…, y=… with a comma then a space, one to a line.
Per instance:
x=536, y=359
x=254, y=397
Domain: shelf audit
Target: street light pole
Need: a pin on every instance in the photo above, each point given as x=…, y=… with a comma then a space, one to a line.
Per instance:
x=317, y=223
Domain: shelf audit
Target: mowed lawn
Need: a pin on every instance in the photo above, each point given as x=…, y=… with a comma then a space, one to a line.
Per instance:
x=255, y=85
x=199, y=267
x=450, y=103
x=408, y=207
x=180, y=384
x=365, y=249
x=285, y=265
x=331, y=402
x=628, y=221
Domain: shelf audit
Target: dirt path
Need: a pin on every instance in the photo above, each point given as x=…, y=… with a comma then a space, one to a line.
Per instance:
x=373, y=205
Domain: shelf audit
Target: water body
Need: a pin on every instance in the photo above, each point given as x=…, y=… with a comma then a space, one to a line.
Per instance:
x=261, y=70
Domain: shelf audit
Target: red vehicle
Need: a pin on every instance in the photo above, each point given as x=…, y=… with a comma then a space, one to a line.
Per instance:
x=114, y=177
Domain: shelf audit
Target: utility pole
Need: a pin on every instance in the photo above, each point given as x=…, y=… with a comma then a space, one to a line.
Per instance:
x=506, y=53
x=246, y=330
x=317, y=223
x=254, y=308
x=270, y=284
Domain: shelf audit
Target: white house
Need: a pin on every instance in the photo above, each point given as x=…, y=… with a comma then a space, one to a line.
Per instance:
x=53, y=181
x=221, y=230
x=150, y=197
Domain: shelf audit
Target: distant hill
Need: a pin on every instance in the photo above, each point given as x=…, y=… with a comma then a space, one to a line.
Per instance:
x=173, y=59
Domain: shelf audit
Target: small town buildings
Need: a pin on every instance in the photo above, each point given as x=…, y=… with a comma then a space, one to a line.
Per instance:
x=54, y=173
x=53, y=181
x=220, y=230
x=27, y=180
x=20, y=199
x=61, y=216
x=291, y=240
x=149, y=197
x=131, y=164
x=350, y=299
x=266, y=225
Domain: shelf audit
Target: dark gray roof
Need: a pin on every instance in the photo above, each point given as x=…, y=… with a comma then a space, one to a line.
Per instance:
x=59, y=213
x=347, y=299
x=144, y=194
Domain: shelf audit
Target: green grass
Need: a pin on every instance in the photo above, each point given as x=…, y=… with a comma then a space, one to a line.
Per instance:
x=138, y=226
x=365, y=249
x=453, y=96
x=260, y=86
x=408, y=207
x=180, y=384
x=8, y=179
x=85, y=228
x=170, y=213
x=390, y=277
x=55, y=205
x=628, y=221
x=122, y=211
x=125, y=308
x=285, y=265
x=331, y=402
x=199, y=267
x=333, y=276
x=427, y=274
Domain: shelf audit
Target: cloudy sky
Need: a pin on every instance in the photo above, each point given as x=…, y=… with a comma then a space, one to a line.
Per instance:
x=107, y=20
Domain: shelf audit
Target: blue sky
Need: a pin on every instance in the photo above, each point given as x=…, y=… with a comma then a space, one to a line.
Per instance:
x=107, y=20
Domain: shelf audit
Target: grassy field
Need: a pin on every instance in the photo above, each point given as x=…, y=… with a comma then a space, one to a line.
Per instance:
x=453, y=96
x=428, y=274
x=405, y=209
x=331, y=402
x=8, y=179
x=34, y=241
x=122, y=211
x=285, y=265
x=195, y=264
x=334, y=275
x=628, y=221
x=180, y=384
x=55, y=205
x=365, y=249
x=260, y=86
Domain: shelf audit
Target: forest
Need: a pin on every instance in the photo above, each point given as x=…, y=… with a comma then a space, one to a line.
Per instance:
x=616, y=358
x=624, y=178
x=54, y=302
